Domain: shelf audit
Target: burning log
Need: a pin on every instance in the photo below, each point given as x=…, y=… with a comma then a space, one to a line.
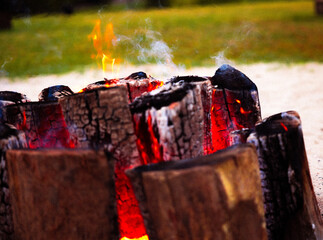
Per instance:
x=60, y=194
x=7, y=98
x=217, y=196
x=101, y=119
x=290, y=203
x=10, y=138
x=235, y=105
x=137, y=84
x=54, y=93
x=169, y=124
x=42, y=122
x=205, y=87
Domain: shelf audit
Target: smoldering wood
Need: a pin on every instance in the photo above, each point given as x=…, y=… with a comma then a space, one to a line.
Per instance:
x=235, y=105
x=290, y=203
x=10, y=138
x=169, y=123
x=136, y=84
x=42, y=122
x=9, y=97
x=60, y=194
x=101, y=119
x=205, y=87
x=217, y=196
x=53, y=93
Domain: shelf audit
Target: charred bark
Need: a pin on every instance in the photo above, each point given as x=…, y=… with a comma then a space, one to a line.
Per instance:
x=290, y=203
x=54, y=93
x=60, y=194
x=169, y=124
x=137, y=84
x=42, y=122
x=217, y=196
x=10, y=138
x=235, y=105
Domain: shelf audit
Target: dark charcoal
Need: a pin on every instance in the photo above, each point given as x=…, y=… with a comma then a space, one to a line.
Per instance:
x=54, y=93
x=161, y=99
x=137, y=76
x=12, y=97
x=231, y=78
x=187, y=79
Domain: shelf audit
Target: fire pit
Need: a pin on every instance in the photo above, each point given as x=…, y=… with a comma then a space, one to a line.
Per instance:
x=139, y=158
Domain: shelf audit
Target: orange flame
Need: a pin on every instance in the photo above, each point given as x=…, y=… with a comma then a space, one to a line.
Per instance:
x=241, y=108
x=103, y=45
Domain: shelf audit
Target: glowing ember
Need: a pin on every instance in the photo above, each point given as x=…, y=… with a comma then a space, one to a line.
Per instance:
x=284, y=126
x=141, y=238
x=103, y=46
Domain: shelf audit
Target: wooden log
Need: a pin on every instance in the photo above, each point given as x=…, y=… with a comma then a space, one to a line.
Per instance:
x=62, y=194
x=10, y=138
x=101, y=119
x=217, y=196
x=206, y=88
x=53, y=93
x=8, y=98
x=290, y=203
x=169, y=124
x=137, y=84
x=42, y=122
x=235, y=105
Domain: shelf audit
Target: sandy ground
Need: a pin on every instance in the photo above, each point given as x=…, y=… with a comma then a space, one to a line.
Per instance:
x=281, y=88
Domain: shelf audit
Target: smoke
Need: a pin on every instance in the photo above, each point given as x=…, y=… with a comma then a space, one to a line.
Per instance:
x=3, y=71
x=243, y=32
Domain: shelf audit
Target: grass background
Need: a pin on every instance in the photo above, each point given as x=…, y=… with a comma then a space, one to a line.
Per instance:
x=287, y=32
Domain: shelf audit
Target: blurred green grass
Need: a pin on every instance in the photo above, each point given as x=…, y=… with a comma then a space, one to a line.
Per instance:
x=287, y=32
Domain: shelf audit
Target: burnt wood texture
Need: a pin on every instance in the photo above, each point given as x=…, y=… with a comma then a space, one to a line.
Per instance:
x=217, y=196
x=169, y=124
x=42, y=122
x=290, y=203
x=10, y=138
x=101, y=119
x=235, y=105
x=62, y=194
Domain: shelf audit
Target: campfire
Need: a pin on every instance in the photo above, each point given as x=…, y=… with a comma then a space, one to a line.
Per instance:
x=141, y=158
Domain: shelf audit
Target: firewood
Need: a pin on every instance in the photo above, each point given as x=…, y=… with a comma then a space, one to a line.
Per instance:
x=206, y=88
x=100, y=119
x=62, y=194
x=42, y=122
x=10, y=138
x=54, y=93
x=169, y=123
x=290, y=203
x=217, y=196
x=7, y=98
x=235, y=105
x=137, y=84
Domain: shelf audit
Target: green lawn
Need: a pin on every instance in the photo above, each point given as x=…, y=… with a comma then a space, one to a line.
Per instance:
x=286, y=32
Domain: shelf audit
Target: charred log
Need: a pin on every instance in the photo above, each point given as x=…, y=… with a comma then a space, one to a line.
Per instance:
x=169, y=124
x=217, y=196
x=60, y=194
x=42, y=122
x=205, y=88
x=235, y=105
x=10, y=138
x=290, y=203
x=101, y=119
x=54, y=93
x=7, y=98
x=137, y=84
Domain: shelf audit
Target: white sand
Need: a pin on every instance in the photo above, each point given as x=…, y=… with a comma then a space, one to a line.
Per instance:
x=281, y=88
